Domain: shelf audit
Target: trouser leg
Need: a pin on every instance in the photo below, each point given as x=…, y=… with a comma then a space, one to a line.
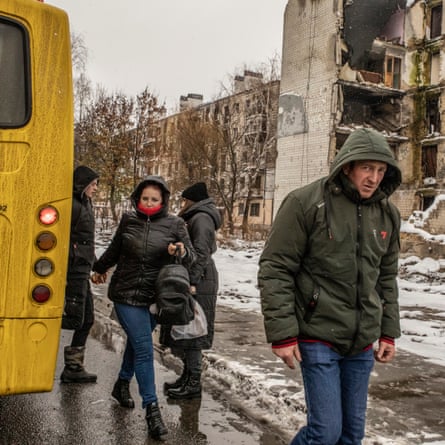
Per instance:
x=138, y=324
x=355, y=373
x=193, y=360
x=74, y=372
x=80, y=335
x=320, y=369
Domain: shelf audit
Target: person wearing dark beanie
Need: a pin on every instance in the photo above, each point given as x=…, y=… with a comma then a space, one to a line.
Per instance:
x=196, y=192
x=203, y=219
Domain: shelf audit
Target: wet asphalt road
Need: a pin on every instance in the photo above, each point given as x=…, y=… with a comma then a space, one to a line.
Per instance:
x=74, y=414
x=86, y=414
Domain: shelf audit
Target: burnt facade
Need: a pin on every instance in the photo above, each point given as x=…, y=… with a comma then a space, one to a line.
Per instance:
x=361, y=63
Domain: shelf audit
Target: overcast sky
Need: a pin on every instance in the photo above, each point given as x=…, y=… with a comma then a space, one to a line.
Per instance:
x=174, y=47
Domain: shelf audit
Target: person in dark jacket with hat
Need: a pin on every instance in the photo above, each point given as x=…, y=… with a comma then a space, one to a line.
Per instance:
x=144, y=242
x=327, y=279
x=78, y=296
x=203, y=220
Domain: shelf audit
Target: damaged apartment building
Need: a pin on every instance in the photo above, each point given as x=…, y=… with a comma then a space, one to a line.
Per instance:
x=378, y=64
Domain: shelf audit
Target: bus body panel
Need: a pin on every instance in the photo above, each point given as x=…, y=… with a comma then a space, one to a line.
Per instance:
x=31, y=350
x=36, y=167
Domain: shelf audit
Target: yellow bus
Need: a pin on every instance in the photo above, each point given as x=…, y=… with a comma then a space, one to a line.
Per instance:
x=36, y=167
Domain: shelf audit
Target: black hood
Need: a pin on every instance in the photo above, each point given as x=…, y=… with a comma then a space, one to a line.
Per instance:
x=82, y=178
x=205, y=206
x=155, y=180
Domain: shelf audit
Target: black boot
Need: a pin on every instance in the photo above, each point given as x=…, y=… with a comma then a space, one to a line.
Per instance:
x=156, y=427
x=74, y=372
x=190, y=390
x=121, y=392
x=178, y=382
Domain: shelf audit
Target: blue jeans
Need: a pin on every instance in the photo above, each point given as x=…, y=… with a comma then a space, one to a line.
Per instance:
x=138, y=323
x=336, y=392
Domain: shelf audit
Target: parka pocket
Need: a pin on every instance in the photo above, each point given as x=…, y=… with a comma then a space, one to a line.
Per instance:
x=312, y=305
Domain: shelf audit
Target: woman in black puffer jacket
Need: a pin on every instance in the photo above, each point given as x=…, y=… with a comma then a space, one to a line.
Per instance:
x=145, y=240
x=203, y=220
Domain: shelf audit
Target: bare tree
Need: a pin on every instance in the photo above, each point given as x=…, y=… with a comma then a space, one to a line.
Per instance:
x=104, y=143
x=260, y=143
x=208, y=147
x=230, y=143
x=79, y=53
x=81, y=82
x=255, y=148
x=147, y=114
x=198, y=142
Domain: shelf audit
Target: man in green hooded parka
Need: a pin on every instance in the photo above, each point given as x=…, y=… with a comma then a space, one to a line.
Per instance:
x=328, y=286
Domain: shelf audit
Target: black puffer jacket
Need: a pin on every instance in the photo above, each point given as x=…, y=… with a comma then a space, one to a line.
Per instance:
x=81, y=254
x=203, y=219
x=139, y=249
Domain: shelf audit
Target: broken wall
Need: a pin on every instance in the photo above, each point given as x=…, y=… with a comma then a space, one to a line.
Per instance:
x=364, y=22
x=307, y=95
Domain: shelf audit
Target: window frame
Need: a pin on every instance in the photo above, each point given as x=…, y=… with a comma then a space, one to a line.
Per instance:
x=26, y=83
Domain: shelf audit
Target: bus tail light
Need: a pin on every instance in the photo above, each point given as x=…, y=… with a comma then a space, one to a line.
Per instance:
x=46, y=241
x=41, y=293
x=48, y=215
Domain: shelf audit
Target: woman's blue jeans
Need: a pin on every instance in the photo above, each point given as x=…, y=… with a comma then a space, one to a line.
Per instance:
x=138, y=323
x=336, y=392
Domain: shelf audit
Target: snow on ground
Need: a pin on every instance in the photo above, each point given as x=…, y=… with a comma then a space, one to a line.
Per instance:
x=422, y=302
x=421, y=286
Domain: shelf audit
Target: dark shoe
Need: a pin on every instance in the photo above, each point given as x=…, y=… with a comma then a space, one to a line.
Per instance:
x=121, y=392
x=190, y=390
x=156, y=427
x=177, y=383
x=72, y=374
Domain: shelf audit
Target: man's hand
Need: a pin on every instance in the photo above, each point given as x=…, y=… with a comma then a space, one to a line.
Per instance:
x=288, y=354
x=385, y=352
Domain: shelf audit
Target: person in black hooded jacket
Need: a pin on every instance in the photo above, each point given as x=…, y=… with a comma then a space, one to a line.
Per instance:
x=144, y=242
x=78, y=296
x=203, y=220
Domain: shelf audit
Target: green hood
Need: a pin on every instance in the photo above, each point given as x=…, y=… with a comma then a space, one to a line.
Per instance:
x=368, y=145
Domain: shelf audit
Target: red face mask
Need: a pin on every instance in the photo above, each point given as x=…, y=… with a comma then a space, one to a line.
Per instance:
x=149, y=211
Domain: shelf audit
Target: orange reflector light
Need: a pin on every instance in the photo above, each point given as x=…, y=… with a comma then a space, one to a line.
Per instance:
x=41, y=294
x=48, y=215
x=45, y=241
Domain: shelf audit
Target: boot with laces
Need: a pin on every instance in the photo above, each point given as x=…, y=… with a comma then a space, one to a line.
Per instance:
x=121, y=392
x=156, y=427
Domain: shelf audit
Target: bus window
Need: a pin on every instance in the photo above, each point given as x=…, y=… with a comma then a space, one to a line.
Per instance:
x=13, y=68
